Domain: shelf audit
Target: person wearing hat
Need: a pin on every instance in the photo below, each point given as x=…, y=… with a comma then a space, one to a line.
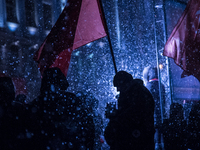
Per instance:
x=132, y=124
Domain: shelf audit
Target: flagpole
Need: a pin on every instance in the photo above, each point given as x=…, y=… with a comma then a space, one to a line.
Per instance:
x=108, y=36
x=112, y=53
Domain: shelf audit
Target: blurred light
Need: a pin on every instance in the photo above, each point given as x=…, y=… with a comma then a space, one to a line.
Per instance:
x=101, y=44
x=91, y=55
x=16, y=43
x=77, y=53
x=62, y=7
x=12, y=26
x=184, y=101
x=32, y=30
x=47, y=32
x=160, y=66
x=114, y=91
x=89, y=44
x=63, y=4
x=158, y=6
x=35, y=46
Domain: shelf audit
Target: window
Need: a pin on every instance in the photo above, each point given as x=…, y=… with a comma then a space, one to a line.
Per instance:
x=47, y=14
x=11, y=11
x=30, y=13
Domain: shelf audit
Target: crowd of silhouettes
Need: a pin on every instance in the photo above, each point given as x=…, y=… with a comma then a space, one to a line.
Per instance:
x=60, y=120
x=55, y=120
x=174, y=129
x=90, y=104
x=133, y=125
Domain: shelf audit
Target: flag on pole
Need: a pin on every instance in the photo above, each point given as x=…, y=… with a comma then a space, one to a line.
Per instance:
x=80, y=22
x=183, y=44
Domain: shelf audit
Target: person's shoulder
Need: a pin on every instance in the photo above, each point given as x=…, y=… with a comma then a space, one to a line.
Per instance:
x=138, y=81
x=135, y=85
x=147, y=92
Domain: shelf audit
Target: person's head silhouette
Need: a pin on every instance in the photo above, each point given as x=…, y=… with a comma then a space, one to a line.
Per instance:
x=121, y=80
x=53, y=80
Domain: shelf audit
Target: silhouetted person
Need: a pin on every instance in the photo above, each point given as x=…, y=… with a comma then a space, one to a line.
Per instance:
x=193, y=128
x=21, y=98
x=86, y=109
x=90, y=104
x=45, y=113
x=132, y=125
x=13, y=131
x=153, y=86
x=7, y=90
x=174, y=129
x=98, y=121
x=60, y=121
x=7, y=95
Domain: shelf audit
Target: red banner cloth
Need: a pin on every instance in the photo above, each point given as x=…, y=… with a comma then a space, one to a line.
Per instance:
x=183, y=44
x=79, y=23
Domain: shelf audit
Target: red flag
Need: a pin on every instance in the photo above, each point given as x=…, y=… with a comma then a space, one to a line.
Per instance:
x=79, y=23
x=183, y=44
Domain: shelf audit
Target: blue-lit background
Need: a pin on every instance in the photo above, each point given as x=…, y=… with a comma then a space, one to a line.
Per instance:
x=137, y=31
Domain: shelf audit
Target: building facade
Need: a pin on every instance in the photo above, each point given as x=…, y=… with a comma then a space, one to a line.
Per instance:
x=24, y=24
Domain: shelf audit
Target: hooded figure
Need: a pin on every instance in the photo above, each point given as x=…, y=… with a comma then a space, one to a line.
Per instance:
x=132, y=125
x=58, y=114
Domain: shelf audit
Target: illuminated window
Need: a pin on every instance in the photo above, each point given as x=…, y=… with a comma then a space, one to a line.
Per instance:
x=11, y=11
x=30, y=13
